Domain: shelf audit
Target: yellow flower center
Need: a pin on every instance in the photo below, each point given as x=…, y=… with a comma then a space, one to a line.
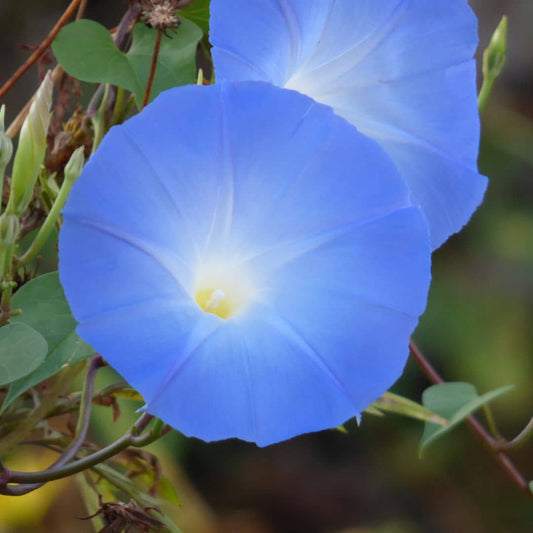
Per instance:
x=214, y=301
x=223, y=289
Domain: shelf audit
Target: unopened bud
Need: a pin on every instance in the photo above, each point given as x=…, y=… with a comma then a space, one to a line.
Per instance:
x=31, y=149
x=496, y=53
x=75, y=164
x=9, y=229
x=6, y=146
x=9, y=233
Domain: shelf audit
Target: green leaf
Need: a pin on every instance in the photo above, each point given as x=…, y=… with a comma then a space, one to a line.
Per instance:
x=166, y=490
x=176, y=64
x=86, y=51
x=393, y=403
x=373, y=410
x=127, y=393
x=197, y=12
x=22, y=350
x=453, y=401
x=46, y=310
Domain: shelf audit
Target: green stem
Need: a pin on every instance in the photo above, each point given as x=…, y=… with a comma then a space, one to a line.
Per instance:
x=99, y=122
x=48, y=225
x=484, y=93
x=64, y=406
x=90, y=499
x=5, y=304
x=119, y=105
x=521, y=438
x=131, y=438
x=491, y=423
x=59, y=386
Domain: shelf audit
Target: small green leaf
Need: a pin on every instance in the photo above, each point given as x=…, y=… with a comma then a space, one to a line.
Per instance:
x=176, y=64
x=166, y=490
x=197, y=12
x=373, y=410
x=45, y=309
x=393, y=403
x=128, y=394
x=531, y=486
x=86, y=50
x=453, y=401
x=22, y=350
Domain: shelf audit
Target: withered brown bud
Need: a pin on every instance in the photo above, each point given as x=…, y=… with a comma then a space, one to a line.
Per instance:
x=160, y=14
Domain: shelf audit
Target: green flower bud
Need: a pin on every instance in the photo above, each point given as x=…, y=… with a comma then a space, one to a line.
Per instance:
x=9, y=232
x=31, y=149
x=495, y=54
x=6, y=146
x=75, y=164
x=9, y=229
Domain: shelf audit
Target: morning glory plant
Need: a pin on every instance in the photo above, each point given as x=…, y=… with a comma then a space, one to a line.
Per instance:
x=401, y=71
x=241, y=233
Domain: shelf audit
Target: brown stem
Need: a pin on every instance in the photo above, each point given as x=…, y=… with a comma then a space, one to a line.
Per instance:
x=492, y=444
x=81, y=9
x=128, y=20
x=152, y=70
x=40, y=49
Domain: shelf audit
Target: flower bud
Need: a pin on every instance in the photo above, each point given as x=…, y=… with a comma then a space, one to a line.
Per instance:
x=6, y=146
x=75, y=164
x=31, y=149
x=9, y=229
x=495, y=54
x=9, y=232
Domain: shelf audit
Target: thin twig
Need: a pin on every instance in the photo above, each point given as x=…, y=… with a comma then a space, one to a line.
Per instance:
x=81, y=9
x=128, y=20
x=494, y=446
x=40, y=49
x=132, y=14
x=151, y=76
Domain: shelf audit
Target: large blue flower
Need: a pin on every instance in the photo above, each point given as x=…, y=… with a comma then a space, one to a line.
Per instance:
x=401, y=71
x=247, y=260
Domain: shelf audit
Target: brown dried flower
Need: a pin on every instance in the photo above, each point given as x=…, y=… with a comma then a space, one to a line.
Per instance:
x=160, y=14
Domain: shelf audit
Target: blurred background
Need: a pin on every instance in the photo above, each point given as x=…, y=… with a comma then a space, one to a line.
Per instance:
x=477, y=328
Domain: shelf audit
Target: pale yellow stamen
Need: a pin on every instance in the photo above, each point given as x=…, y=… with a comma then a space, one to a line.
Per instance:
x=215, y=301
x=222, y=290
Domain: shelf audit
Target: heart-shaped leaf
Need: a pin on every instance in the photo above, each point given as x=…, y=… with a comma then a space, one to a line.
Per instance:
x=454, y=402
x=45, y=309
x=22, y=350
x=86, y=51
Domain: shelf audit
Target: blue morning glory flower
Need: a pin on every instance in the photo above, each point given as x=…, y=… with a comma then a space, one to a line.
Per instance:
x=401, y=71
x=247, y=260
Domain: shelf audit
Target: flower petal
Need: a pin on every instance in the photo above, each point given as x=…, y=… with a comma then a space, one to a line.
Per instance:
x=401, y=71
x=248, y=181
